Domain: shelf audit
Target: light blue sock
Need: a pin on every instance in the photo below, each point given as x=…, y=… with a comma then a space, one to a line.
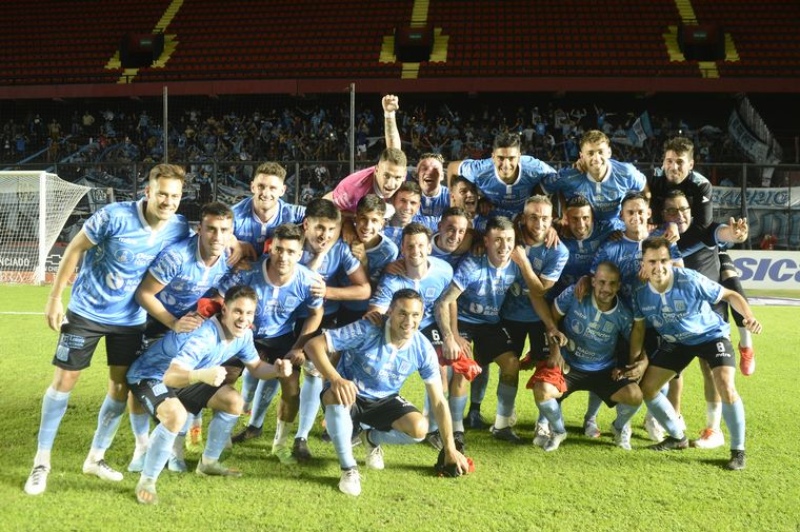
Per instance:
x=432, y=424
x=309, y=404
x=593, y=406
x=140, y=423
x=392, y=437
x=457, y=405
x=551, y=410
x=624, y=415
x=506, y=397
x=665, y=414
x=340, y=429
x=54, y=405
x=733, y=414
x=264, y=394
x=219, y=432
x=477, y=389
x=249, y=384
x=158, y=453
x=108, y=422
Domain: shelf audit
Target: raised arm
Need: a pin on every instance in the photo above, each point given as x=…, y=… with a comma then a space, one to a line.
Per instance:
x=391, y=104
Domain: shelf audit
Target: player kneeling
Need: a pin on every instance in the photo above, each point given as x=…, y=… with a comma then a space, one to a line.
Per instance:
x=183, y=372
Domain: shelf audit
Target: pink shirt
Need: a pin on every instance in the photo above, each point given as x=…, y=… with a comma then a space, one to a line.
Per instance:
x=354, y=187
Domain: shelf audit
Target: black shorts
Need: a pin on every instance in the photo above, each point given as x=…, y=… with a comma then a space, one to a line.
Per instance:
x=79, y=338
x=599, y=382
x=489, y=340
x=346, y=316
x=380, y=413
x=272, y=349
x=675, y=357
x=152, y=392
x=432, y=333
x=536, y=334
x=328, y=322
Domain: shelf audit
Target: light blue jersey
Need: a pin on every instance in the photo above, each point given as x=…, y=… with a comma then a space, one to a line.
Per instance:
x=452, y=259
x=395, y=234
x=124, y=247
x=547, y=263
x=604, y=196
x=377, y=368
x=204, y=347
x=582, y=253
x=249, y=228
x=434, y=206
x=683, y=313
x=185, y=276
x=276, y=304
x=338, y=261
x=592, y=334
x=484, y=288
x=431, y=287
x=377, y=258
x=627, y=255
x=506, y=199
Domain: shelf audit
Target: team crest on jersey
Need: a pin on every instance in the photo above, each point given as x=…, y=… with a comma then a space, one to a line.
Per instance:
x=430, y=293
x=290, y=302
x=124, y=256
x=680, y=305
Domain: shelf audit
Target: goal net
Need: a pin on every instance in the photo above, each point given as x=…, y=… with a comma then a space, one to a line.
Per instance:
x=34, y=206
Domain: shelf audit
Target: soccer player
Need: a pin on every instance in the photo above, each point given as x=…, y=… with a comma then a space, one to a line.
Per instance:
x=406, y=203
x=256, y=217
x=541, y=266
x=435, y=195
x=255, y=220
x=469, y=311
x=453, y=238
x=283, y=285
x=372, y=363
x=183, y=372
x=593, y=325
x=601, y=180
x=507, y=179
x=372, y=248
x=178, y=277
x=430, y=277
x=677, y=302
x=679, y=174
x=114, y=249
x=704, y=258
x=464, y=194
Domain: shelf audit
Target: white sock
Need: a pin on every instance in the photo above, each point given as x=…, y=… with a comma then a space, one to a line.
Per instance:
x=745, y=338
x=713, y=415
x=458, y=426
x=500, y=422
x=281, y=433
x=42, y=458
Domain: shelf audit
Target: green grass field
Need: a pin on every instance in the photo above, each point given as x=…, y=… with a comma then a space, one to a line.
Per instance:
x=585, y=485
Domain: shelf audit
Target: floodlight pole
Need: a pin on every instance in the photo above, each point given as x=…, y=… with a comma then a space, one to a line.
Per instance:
x=352, y=127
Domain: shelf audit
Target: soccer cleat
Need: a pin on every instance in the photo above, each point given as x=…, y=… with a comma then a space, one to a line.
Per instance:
x=37, y=480
x=474, y=420
x=737, y=461
x=541, y=435
x=137, y=462
x=300, y=450
x=101, y=470
x=434, y=439
x=590, y=428
x=249, y=433
x=709, y=439
x=284, y=454
x=374, y=459
x=215, y=469
x=146, y=491
x=195, y=440
x=460, y=440
x=177, y=465
x=350, y=483
x=654, y=429
x=506, y=434
x=325, y=436
x=554, y=441
x=622, y=438
x=747, y=361
x=671, y=444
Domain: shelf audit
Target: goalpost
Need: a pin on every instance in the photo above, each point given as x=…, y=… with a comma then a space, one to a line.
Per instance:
x=34, y=207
